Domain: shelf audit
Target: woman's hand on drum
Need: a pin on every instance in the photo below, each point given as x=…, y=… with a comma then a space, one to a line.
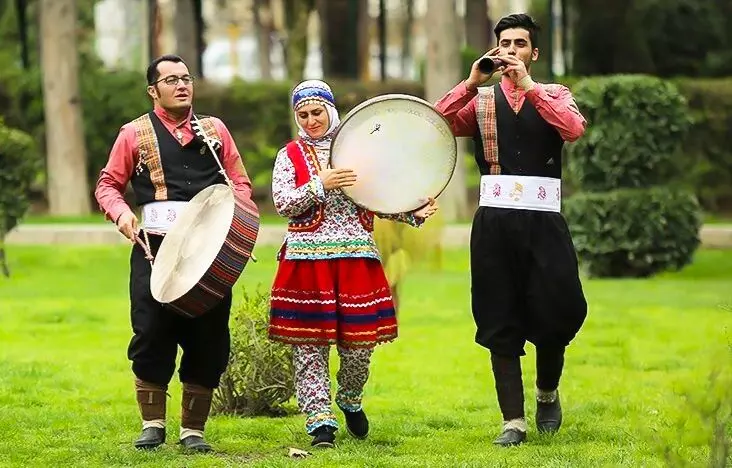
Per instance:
x=337, y=178
x=127, y=225
x=428, y=210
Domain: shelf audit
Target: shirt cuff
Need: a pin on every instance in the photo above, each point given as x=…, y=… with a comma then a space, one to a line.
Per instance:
x=116, y=211
x=526, y=83
x=467, y=90
x=317, y=189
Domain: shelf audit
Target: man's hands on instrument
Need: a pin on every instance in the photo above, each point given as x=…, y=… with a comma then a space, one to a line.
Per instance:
x=515, y=68
x=428, y=210
x=477, y=77
x=337, y=178
x=127, y=225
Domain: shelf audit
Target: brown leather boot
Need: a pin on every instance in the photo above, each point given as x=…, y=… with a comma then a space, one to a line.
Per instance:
x=195, y=406
x=151, y=401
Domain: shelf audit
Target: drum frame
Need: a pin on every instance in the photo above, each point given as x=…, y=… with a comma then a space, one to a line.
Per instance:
x=388, y=97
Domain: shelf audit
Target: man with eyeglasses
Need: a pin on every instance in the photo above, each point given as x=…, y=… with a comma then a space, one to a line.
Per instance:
x=164, y=156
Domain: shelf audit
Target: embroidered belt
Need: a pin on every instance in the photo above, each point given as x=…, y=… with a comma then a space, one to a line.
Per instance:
x=521, y=192
x=158, y=217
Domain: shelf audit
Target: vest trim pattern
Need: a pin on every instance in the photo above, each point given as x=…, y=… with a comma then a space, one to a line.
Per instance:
x=149, y=154
x=306, y=164
x=486, y=113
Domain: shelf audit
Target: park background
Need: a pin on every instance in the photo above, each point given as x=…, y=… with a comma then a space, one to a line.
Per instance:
x=648, y=197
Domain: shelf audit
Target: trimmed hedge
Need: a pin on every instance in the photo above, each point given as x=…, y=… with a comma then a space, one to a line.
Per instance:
x=257, y=114
x=707, y=160
x=634, y=232
x=636, y=126
x=630, y=218
x=19, y=164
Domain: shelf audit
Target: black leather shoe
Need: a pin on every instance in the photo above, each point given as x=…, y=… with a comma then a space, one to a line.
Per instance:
x=510, y=437
x=195, y=443
x=323, y=437
x=548, y=416
x=150, y=438
x=357, y=423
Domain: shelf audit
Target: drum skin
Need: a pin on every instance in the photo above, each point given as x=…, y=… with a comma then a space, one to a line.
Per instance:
x=205, y=251
x=401, y=149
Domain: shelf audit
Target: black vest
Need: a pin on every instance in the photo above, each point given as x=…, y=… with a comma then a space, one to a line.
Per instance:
x=186, y=169
x=527, y=144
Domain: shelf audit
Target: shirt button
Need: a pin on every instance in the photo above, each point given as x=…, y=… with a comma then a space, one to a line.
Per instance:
x=185, y=166
x=189, y=182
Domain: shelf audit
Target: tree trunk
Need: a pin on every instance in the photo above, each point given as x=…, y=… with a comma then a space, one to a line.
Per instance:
x=345, y=26
x=407, y=36
x=21, y=9
x=262, y=14
x=442, y=73
x=184, y=26
x=155, y=27
x=297, y=13
x=477, y=25
x=68, y=188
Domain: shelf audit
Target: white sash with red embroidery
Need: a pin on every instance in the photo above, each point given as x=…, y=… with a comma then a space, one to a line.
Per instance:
x=521, y=192
x=158, y=217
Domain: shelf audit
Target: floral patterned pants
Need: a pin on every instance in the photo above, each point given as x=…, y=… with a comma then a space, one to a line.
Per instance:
x=312, y=382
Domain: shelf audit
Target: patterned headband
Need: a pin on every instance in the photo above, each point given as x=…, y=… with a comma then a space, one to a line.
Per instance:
x=309, y=93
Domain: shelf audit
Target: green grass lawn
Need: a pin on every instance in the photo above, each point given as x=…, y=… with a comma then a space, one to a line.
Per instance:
x=636, y=383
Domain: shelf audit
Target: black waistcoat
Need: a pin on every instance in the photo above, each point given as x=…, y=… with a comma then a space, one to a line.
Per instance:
x=186, y=169
x=527, y=144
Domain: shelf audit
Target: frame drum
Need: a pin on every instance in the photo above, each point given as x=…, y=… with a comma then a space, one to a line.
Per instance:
x=401, y=149
x=205, y=251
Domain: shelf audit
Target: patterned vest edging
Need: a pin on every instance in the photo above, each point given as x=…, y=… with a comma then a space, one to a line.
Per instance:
x=305, y=161
x=485, y=110
x=148, y=150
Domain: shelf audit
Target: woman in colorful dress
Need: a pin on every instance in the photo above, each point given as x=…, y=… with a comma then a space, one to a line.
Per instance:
x=330, y=287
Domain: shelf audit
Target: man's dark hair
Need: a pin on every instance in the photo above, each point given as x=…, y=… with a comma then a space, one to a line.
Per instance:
x=519, y=20
x=152, y=70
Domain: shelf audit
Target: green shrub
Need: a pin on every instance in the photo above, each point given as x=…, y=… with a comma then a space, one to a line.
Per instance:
x=257, y=113
x=260, y=376
x=402, y=245
x=19, y=164
x=636, y=127
x=630, y=217
x=109, y=100
x=661, y=37
x=707, y=154
x=634, y=232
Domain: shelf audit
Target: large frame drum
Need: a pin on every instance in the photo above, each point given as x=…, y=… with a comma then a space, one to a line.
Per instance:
x=205, y=251
x=401, y=149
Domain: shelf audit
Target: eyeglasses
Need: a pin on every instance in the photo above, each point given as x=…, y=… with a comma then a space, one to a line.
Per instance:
x=173, y=80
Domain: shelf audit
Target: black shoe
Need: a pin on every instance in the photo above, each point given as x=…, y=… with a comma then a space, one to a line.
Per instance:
x=510, y=437
x=195, y=443
x=323, y=437
x=548, y=416
x=357, y=423
x=150, y=438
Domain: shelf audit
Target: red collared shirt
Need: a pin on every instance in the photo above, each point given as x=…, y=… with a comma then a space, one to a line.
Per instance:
x=555, y=105
x=122, y=159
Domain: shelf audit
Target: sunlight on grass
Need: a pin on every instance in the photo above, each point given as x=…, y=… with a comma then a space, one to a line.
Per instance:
x=638, y=379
